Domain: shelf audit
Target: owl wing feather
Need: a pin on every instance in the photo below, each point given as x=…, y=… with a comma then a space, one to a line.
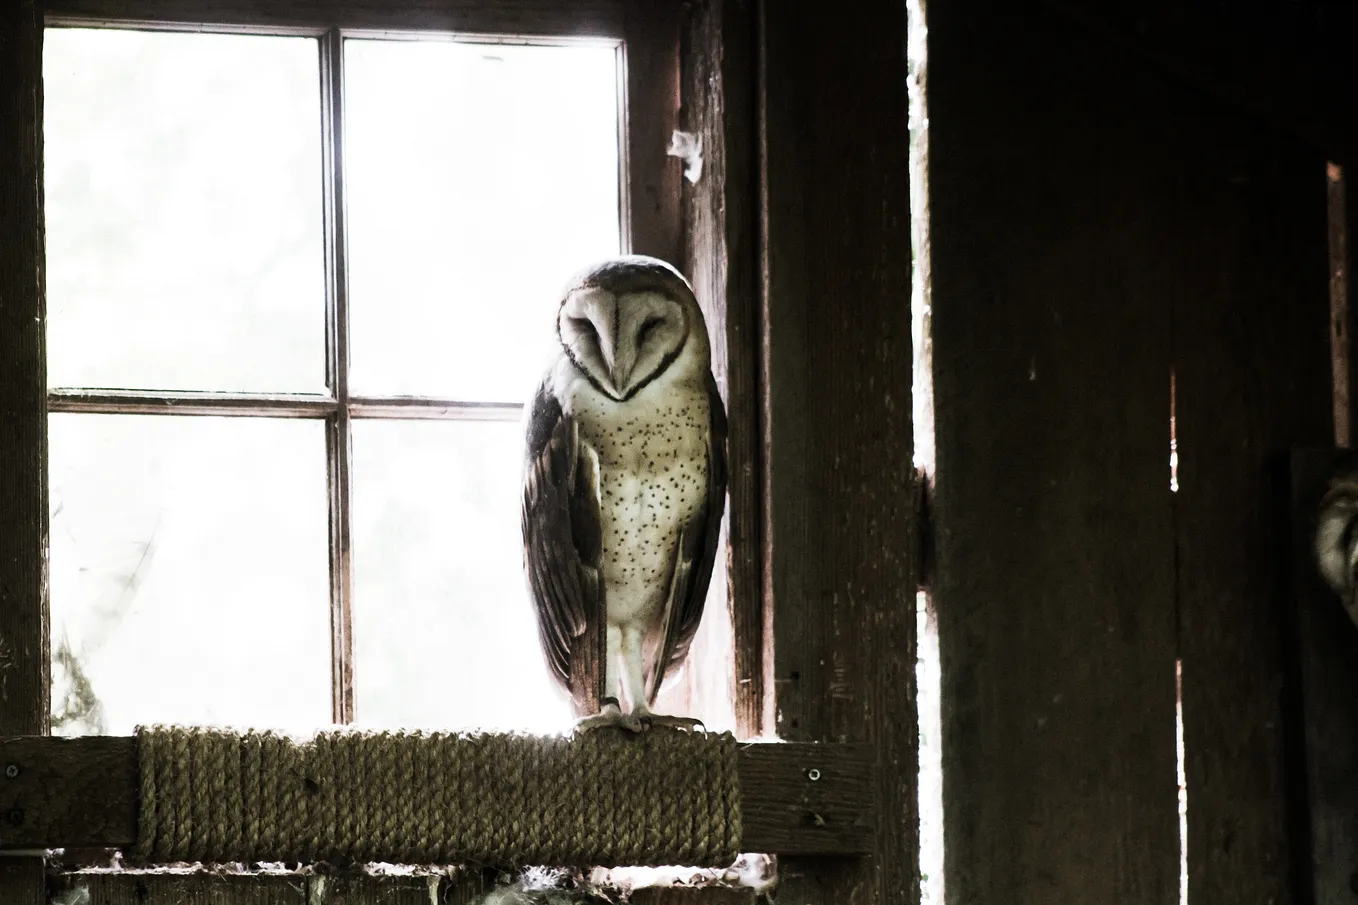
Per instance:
x=563, y=541
x=697, y=552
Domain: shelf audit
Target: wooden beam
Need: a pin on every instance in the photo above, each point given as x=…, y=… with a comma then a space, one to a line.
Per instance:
x=24, y=703
x=529, y=18
x=840, y=482
x=1307, y=90
x=82, y=793
x=1055, y=578
x=721, y=245
x=651, y=39
x=1244, y=255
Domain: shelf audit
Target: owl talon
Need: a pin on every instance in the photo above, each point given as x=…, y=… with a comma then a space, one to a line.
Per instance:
x=678, y=723
x=610, y=717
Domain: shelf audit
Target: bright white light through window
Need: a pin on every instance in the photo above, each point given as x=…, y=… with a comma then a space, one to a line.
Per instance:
x=479, y=177
x=192, y=576
x=184, y=218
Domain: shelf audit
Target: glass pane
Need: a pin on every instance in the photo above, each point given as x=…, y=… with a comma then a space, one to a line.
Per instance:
x=479, y=178
x=444, y=635
x=190, y=572
x=184, y=213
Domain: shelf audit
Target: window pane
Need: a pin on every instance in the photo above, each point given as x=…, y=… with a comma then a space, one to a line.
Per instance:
x=189, y=572
x=184, y=213
x=444, y=635
x=479, y=178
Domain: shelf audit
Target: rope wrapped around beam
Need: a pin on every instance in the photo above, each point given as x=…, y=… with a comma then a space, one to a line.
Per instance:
x=605, y=798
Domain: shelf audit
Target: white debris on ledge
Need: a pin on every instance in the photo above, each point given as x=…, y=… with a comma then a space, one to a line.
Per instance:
x=688, y=147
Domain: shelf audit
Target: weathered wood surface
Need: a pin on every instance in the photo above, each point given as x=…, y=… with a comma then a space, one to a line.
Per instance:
x=1243, y=262
x=721, y=234
x=1055, y=580
x=795, y=799
x=840, y=481
x=651, y=37
x=1308, y=88
x=594, y=18
x=204, y=888
x=193, y=889
x=1325, y=670
x=23, y=422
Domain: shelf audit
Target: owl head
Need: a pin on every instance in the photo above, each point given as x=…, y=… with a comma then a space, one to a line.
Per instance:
x=627, y=321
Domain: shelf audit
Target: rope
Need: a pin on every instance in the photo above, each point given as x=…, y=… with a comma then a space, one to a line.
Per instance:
x=601, y=798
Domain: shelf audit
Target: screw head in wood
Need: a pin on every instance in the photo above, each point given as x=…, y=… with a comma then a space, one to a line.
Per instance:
x=813, y=774
x=12, y=771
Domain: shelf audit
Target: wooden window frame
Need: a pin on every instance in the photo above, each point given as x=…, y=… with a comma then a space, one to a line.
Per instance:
x=797, y=242
x=642, y=226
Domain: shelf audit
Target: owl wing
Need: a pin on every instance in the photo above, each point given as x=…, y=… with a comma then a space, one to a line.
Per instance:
x=697, y=552
x=563, y=543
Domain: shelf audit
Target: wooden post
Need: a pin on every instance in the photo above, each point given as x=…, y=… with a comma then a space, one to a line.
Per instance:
x=839, y=479
x=721, y=223
x=1245, y=250
x=23, y=419
x=1055, y=579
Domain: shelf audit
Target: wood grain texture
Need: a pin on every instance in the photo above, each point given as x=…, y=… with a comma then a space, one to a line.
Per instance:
x=717, y=55
x=188, y=889
x=594, y=18
x=24, y=692
x=836, y=261
x=1306, y=90
x=364, y=890
x=711, y=895
x=1055, y=582
x=1324, y=724
x=795, y=799
x=1244, y=223
x=651, y=38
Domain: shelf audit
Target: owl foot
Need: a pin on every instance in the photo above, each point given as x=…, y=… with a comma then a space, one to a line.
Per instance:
x=680, y=723
x=610, y=716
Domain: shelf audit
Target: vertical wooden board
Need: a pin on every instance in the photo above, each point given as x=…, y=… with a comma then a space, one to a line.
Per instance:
x=1055, y=583
x=1246, y=243
x=189, y=889
x=651, y=35
x=717, y=56
x=1323, y=723
x=840, y=485
x=23, y=422
x=366, y=890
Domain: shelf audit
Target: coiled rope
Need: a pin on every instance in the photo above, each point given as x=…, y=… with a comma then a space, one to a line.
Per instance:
x=602, y=798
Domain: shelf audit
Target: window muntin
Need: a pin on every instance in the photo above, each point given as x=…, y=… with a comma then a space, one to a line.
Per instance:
x=573, y=191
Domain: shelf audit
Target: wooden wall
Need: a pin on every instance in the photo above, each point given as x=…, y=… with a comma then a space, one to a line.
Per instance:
x=1097, y=227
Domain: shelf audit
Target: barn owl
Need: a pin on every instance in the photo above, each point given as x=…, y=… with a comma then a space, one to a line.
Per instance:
x=624, y=485
x=1336, y=540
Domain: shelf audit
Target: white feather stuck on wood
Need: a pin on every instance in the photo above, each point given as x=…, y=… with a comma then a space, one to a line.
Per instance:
x=688, y=147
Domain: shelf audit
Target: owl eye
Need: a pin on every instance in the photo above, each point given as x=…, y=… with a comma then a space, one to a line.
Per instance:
x=648, y=327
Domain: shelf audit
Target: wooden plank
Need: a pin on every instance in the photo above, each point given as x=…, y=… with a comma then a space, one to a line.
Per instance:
x=548, y=18
x=1325, y=685
x=710, y=895
x=651, y=39
x=1245, y=249
x=720, y=258
x=1307, y=89
x=365, y=890
x=24, y=703
x=839, y=477
x=82, y=792
x=1055, y=583
x=199, y=888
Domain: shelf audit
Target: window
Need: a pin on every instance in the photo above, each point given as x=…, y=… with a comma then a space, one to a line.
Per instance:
x=300, y=286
